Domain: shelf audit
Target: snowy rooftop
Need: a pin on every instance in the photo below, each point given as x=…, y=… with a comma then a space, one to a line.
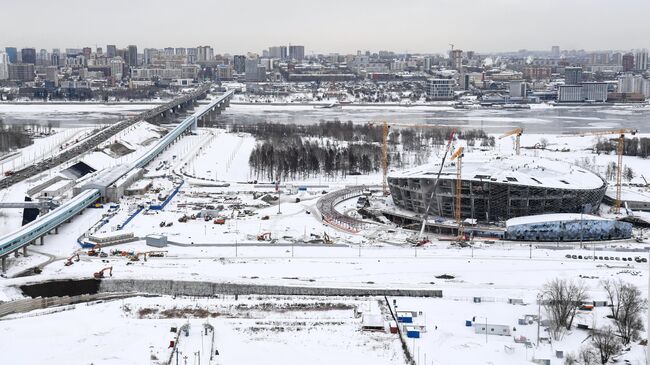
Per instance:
x=518, y=170
x=556, y=217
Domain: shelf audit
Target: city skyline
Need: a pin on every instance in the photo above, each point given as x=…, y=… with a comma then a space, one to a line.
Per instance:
x=416, y=27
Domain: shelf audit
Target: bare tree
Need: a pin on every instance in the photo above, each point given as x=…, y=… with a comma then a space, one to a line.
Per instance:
x=606, y=343
x=627, y=308
x=561, y=298
x=543, y=143
x=571, y=359
x=587, y=356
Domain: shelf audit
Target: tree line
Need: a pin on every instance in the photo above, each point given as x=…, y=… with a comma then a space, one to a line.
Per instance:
x=13, y=136
x=336, y=148
x=298, y=158
x=410, y=137
x=633, y=146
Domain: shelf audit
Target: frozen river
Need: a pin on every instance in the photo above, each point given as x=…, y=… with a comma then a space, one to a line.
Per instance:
x=68, y=115
x=537, y=120
x=552, y=120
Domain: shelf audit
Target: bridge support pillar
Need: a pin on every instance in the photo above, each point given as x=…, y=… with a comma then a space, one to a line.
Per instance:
x=42, y=240
x=4, y=264
x=25, y=251
x=56, y=230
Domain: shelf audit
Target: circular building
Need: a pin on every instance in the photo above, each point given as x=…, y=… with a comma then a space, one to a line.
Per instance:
x=498, y=189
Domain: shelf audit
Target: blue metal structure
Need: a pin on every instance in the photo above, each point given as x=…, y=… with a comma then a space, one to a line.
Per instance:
x=28, y=233
x=567, y=227
x=40, y=227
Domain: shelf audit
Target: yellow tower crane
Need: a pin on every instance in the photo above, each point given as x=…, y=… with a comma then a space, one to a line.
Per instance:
x=384, y=157
x=620, y=150
x=458, y=155
x=517, y=132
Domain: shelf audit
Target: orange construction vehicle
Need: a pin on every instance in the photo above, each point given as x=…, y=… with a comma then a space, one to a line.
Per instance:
x=95, y=250
x=100, y=274
x=69, y=262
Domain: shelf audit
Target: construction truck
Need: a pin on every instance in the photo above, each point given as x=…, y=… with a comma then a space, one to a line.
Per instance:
x=100, y=274
x=266, y=236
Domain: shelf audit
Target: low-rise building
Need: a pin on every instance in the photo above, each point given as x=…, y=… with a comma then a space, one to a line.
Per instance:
x=441, y=89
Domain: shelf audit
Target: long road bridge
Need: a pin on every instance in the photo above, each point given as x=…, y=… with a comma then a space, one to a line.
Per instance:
x=156, y=114
x=29, y=233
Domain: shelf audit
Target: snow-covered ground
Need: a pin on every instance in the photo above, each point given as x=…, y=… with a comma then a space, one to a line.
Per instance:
x=376, y=258
x=280, y=330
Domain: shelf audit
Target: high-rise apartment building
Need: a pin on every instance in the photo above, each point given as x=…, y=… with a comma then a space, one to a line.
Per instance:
x=456, y=57
x=628, y=62
x=192, y=55
x=297, y=53
x=28, y=55
x=239, y=63
x=279, y=52
x=4, y=66
x=132, y=55
x=12, y=54
x=555, y=51
x=252, y=69
x=572, y=75
x=21, y=72
x=641, y=60
x=111, y=51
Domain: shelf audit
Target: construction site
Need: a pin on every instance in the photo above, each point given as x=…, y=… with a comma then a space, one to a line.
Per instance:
x=181, y=213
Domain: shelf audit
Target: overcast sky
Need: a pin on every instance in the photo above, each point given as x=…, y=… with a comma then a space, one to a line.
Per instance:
x=324, y=26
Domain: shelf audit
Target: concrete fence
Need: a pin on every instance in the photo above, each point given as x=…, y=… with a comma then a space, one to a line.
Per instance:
x=202, y=288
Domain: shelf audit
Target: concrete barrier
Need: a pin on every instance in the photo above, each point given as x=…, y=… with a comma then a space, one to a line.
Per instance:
x=203, y=288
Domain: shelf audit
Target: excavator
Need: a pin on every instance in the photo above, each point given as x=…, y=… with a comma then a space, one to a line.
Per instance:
x=266, y=236
x=69, y=262
x=100, y=274
x=95, y=250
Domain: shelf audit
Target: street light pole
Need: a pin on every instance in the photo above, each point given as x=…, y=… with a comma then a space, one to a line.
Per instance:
x=647, y=354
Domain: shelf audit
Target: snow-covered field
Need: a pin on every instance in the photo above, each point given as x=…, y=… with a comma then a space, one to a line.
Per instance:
x=247, y=330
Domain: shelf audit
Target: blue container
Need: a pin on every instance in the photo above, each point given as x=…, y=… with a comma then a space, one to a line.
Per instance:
x=468, y=323
x=405, y=319
x=413, y=334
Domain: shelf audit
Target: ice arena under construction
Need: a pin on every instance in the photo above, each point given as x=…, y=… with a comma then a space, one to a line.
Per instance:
x=497, y=189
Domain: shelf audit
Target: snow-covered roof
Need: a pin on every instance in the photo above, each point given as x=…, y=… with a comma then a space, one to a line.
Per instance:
x=554, y=217
x=516, y=170
x=58, y=185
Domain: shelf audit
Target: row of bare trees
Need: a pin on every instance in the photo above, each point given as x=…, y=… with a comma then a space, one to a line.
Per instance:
x=13, y=136
x=295, y=158
x=633, y=146
x=562, y=298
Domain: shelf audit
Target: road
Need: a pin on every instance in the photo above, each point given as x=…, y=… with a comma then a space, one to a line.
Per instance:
x=94, y=141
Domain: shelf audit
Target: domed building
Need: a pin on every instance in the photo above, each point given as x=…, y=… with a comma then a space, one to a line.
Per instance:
x=497, y=189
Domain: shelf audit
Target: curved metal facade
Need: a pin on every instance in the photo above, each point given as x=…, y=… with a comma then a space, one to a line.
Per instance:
x=490, y=201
